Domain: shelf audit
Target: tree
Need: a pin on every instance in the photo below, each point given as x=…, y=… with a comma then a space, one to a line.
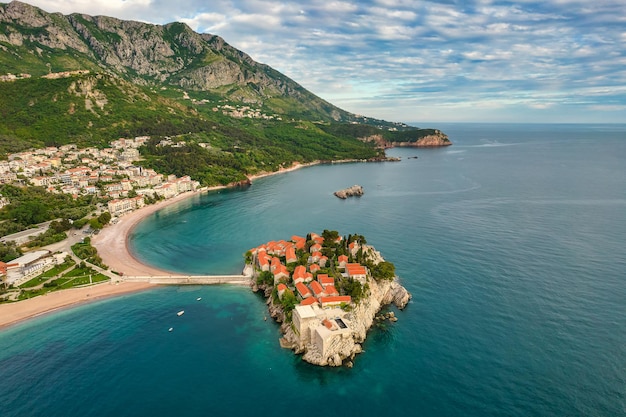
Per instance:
x=104, y=218
x=9, y=251
x=384, y=270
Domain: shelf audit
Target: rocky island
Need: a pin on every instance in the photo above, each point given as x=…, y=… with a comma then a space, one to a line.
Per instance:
x=326, y=292
x=355, y=190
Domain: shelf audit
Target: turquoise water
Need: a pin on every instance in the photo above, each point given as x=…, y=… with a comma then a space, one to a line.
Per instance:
x=511, y=241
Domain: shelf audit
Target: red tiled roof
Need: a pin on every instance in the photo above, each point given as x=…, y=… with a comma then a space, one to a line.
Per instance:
x=324, y=279
x=303, y=290
x=331, y=290
x=308, y=301
x=337, y=299
x=317, y=288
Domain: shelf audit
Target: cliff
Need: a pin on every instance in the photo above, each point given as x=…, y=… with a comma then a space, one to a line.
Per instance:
x=416, y=138
x=342, y=348
x=430, y=141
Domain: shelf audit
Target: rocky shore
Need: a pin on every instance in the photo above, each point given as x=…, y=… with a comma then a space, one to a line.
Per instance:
x=355, y=190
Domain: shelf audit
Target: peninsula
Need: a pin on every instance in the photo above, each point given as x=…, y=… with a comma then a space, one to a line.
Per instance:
x=326, y=291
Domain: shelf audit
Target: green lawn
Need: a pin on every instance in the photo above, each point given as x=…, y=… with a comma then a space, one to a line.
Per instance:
x=48, y=274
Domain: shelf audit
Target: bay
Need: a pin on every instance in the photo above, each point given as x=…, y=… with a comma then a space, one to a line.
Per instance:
x=511, y=242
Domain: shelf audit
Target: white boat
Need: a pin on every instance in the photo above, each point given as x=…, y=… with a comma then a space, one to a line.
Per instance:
x=199, y=298
x=180, y=313
x=171, y=328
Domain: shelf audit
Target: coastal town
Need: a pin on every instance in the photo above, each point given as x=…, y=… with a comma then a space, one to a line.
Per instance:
x=106, y=173
x=327, y=291
x=109, y=175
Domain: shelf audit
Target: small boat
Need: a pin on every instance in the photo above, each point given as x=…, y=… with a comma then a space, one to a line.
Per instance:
x=199, y=298
x=180, y=313
x=171, y=328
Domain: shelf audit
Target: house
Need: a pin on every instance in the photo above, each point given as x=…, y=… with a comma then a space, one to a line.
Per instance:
x=290, y=255
x=331, y=291
x=263, y=261
x=325, y=280
x=314, y=268
x=274, y=263
x=281, y=288
x=315, y=248
x=309, y=302
x=315, y=256
x=303, y=290
x=299, y=242
x=354, y=248
x=299, y=274
x=281, y=272
x=318, y=290
x=323, y=260
x=335, y=301
x=356, y=271
x=342, y=260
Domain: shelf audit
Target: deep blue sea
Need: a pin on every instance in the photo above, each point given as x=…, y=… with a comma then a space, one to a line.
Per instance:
x=512, y=242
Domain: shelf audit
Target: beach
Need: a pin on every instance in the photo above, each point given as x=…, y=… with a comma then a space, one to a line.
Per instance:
x=112, y=241
x=112, y=246
x=12, y=313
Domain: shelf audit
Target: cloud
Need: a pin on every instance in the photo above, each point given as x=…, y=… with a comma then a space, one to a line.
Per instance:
x=391, y=57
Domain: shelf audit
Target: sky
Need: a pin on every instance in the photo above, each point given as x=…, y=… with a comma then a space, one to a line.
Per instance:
x=543, y=61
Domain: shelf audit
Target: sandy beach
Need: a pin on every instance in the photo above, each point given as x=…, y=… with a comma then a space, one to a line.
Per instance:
x=13, y=313
x=112, y=241
x=112, y=245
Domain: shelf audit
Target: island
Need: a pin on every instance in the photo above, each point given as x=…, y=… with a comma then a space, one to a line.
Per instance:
x=326, y=291
x=355, y=190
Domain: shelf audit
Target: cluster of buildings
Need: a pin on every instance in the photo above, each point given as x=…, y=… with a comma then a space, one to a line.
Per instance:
x=319, y=317
x=108, y=173
x=241, y=112
x=26, y=267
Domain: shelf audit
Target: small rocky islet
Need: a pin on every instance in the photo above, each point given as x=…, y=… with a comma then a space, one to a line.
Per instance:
x=354, y=191
x=326, y=291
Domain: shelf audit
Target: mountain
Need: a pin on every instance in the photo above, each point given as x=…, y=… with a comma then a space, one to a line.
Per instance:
x=86, y=80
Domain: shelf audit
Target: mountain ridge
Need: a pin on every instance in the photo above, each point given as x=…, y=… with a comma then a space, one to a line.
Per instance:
x=89, y=79
x=147, y=54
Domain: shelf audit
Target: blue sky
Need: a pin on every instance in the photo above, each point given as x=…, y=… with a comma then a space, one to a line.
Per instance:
x=422, y=61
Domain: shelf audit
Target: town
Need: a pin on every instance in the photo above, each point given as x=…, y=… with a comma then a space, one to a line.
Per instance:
x=108, y=175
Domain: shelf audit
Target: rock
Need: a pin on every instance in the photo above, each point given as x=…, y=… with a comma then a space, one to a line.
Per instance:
x=393, y=319
x=355, y=190
x=349, y=364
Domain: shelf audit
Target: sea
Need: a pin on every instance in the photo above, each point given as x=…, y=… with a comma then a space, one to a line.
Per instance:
x=512, y=242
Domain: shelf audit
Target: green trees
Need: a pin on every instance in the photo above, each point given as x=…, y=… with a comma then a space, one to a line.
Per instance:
x=9, y=251
x=384, y=270
x=354, y=289
x=265, y=278
x=33, y=205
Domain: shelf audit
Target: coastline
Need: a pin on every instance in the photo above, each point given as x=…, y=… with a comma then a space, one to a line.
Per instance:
x=112, y=246
x=15, y=313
